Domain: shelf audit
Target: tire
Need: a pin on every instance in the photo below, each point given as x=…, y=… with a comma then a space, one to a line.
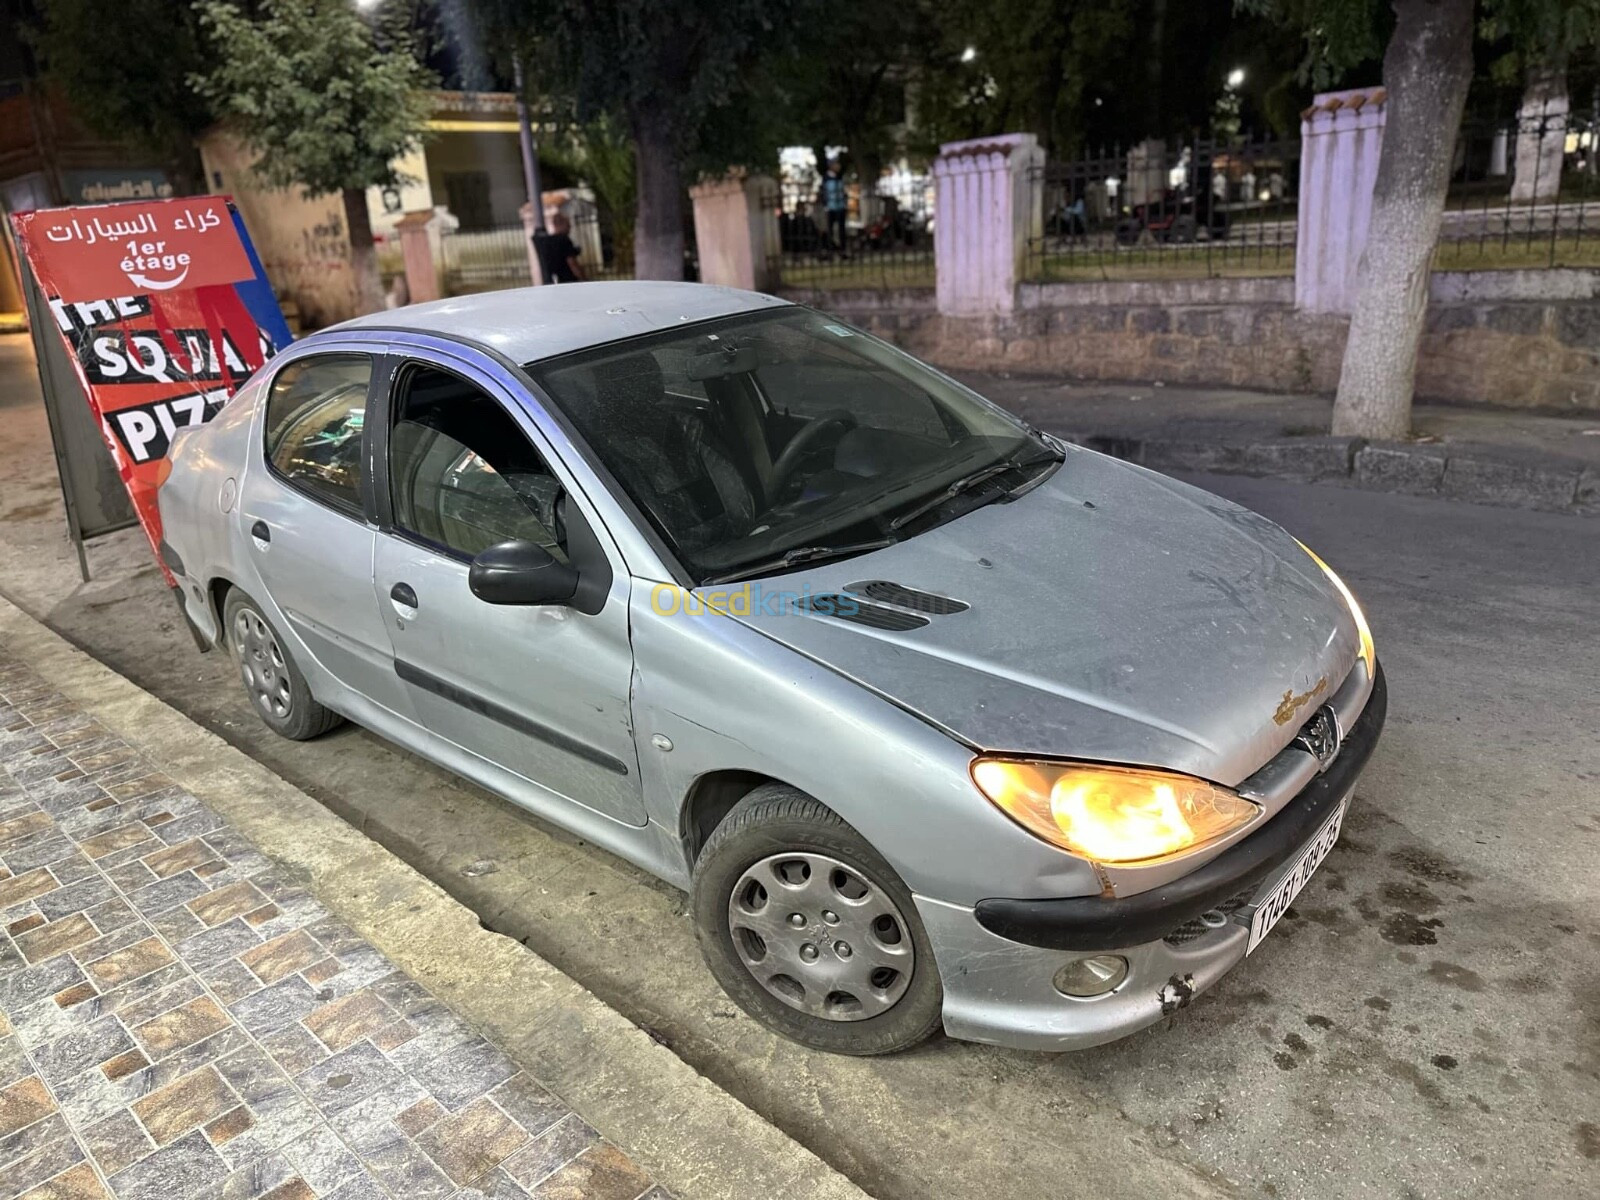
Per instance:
x=273, y=683
x=846, y=1002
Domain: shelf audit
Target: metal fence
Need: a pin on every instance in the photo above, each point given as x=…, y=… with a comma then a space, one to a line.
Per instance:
x=486, y=260
x=883, y=239
x=1525, y=194
x=483, y=260
x=1164, y=210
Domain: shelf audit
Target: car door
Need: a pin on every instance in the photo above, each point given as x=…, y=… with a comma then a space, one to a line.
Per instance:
x=542, y=692
x=304, y=514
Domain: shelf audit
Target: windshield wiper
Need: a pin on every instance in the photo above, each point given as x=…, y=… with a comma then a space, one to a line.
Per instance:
x=964, y=484
x=801, y=554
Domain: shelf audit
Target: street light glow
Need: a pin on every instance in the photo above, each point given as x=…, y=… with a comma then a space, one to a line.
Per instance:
x=970, y=53
x=1236, y=77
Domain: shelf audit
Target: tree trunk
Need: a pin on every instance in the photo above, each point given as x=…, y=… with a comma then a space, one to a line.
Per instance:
x=1541, y=134
x=658, y=233
x=185, y=171
x=366, y=284
x=1426, y=70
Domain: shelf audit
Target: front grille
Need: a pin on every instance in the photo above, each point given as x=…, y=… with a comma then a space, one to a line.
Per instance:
x=1197, y=927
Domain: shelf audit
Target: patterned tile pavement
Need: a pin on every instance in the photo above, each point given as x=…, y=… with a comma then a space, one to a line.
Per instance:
x=178, y=1021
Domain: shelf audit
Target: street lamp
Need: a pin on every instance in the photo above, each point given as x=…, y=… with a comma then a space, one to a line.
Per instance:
x=1236, y=78
x=970, y=53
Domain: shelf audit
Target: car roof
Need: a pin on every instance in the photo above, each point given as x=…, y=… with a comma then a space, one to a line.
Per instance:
x=527, y=324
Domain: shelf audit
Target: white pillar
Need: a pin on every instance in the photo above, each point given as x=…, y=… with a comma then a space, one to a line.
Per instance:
x=420, y=233
x=987, y=205
x=1541, y=138
x=736, y=231
x=1341, y=135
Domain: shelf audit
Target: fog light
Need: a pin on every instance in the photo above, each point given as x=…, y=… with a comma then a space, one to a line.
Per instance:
x=1084, y=977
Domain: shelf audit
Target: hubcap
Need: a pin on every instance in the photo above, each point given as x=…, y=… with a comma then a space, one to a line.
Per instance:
x=820, y=936
x=266, y=676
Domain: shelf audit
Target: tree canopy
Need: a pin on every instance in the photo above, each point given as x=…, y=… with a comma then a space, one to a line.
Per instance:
x=134, y=89
x=328, y=105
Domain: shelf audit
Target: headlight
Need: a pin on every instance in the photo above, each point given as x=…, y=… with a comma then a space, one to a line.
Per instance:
x=1369, y=653
x=1111, y=814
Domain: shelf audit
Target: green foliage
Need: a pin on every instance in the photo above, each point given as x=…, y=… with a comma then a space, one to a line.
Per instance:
x=134, y=88
x=600, y=155
x=666, y=61
x=327, y=101
x=1339, y=34
x=1538, y=33
x=845, y=80
x=1033, y=61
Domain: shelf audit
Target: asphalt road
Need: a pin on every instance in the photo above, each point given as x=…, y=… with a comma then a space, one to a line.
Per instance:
x=1426, y=1022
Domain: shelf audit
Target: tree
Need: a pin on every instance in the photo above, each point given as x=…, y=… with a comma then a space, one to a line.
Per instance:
x=1541, y=37
x=327, y=103
x=1027, y=65
x=131, y=89
x=1427, y=68
x=600, y=155
x=658, y=66
x=845, y=82
x=1426, y=72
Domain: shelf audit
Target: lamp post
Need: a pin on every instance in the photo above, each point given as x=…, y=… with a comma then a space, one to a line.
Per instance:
x=530, y=162
x=530, y=154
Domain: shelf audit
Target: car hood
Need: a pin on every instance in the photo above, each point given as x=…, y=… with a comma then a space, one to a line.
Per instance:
x=1114, y=615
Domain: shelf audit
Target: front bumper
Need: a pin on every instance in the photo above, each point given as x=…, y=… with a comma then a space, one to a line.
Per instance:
x=997, y=961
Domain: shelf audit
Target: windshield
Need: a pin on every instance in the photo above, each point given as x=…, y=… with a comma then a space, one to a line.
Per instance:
x=750, y=438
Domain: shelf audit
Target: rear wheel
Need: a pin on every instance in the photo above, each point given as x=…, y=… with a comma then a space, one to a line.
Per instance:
x=276, y=688
x=811, y=931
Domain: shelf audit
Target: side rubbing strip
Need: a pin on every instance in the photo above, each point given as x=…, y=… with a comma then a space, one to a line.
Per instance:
x=513, y=720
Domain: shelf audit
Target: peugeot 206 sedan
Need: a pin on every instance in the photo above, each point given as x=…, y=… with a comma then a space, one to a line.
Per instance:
x=940, y=720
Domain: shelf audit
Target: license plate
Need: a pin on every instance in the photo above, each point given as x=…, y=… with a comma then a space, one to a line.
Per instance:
x=1290, y=882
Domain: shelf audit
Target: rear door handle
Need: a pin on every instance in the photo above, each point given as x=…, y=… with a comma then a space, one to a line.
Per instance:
x=260, y=532
x=404, y=597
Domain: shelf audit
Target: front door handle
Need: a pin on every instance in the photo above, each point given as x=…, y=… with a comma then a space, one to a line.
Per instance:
x=261, y=532
x=404, y=596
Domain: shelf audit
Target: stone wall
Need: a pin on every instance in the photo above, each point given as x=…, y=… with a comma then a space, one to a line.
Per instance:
x=1528, y=339
x=303, y=243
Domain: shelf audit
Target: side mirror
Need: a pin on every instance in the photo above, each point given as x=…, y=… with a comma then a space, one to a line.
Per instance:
x=521, y=573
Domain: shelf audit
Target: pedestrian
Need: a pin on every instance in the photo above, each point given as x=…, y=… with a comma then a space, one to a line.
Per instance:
x=836, y=202
x=558, y=253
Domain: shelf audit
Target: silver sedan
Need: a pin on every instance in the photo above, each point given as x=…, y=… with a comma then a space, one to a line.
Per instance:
x=942, y=722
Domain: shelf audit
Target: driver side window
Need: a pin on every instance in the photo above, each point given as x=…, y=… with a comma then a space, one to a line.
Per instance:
x=462, y=475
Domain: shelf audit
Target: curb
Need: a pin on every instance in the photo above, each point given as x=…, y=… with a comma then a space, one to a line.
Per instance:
x=695, y=1138
x=1410, y=468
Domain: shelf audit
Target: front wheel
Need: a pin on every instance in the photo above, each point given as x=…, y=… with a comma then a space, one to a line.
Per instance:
x=810, y=931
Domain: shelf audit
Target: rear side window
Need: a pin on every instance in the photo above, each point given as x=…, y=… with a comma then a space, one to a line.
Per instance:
x=315, y=414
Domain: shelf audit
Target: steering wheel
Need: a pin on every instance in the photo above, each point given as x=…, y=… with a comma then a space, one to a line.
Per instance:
x=803, y=442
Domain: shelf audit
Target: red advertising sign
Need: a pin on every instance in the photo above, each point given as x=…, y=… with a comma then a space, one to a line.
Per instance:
x=101, y=250
x=147, y=299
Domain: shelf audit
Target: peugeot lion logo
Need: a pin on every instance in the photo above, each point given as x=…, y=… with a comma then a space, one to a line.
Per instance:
x=1320, y=736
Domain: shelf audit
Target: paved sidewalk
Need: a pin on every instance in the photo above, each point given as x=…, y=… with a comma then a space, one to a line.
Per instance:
x=181, y=1021
x=1501, y=456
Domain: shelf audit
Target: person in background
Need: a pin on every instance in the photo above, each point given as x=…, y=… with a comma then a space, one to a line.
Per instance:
x=836, y=202
x=558, y=253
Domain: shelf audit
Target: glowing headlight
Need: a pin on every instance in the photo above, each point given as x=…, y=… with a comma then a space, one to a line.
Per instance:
x=1111, y=814
x=1369, y=653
